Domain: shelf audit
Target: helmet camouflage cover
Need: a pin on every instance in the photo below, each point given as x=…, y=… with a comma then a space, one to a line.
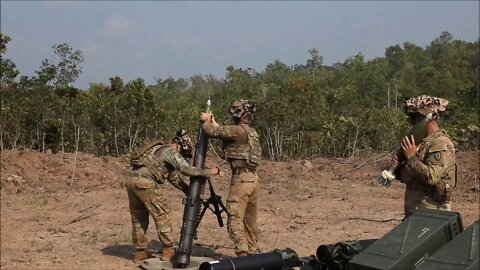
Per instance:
x=240, y=107
x=425, y=104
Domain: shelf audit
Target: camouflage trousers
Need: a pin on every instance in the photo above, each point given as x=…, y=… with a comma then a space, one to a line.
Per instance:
x=146, y=198
x=415, y=200
x=242, y=209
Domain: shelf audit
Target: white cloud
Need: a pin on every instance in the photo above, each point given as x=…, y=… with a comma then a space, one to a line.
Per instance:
x=188, y=39
x=115, y=26
x=91, y=47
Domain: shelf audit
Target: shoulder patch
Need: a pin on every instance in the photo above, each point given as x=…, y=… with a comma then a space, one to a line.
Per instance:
x=437, y=155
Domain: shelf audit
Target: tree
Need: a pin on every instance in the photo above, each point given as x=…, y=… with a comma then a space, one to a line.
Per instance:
x=8, y=96
x=440, y=48
x=396, y=59
x=116, y=84
x=8, y=69
x=315, y=61
x=68, y=67
x=303, y=110
x=66, y=71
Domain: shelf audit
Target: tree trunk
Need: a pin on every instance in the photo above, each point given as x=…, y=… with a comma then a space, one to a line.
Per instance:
x=115, y=134
x=355, y=142
x=133, y=138
x=38, y=138
x=396, y=95
x=388, y=94
x=61, y=134
x=1, y=137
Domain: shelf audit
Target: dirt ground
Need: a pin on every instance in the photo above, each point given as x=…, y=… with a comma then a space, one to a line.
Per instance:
x=67, y=211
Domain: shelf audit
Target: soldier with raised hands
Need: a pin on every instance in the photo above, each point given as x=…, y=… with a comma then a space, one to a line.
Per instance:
x=429, y=172
x=241, y=149
x=151, y=166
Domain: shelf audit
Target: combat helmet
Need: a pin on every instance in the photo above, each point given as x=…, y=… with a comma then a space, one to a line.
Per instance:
x=242, y=107
x=185, y=142
x=425, y=105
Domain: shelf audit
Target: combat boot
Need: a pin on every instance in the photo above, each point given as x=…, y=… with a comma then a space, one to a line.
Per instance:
x=140, y=255
x=242, y=254
x=168, y=253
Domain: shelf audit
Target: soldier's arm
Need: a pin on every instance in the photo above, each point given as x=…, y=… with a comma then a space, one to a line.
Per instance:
x=221, y=132
x=436, y=161
x=181, y=165
x=177, y=182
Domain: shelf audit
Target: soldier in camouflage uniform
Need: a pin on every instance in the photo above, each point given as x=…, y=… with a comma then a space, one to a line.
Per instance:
x=430, y=170
x=241, y=148
x=151, y=166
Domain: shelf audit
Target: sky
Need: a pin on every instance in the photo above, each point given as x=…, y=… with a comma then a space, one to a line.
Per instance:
x=157, y=39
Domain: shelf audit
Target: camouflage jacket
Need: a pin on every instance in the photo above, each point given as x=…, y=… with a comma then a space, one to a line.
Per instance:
x=164, y=163
x=241, y=144
x=433, y=165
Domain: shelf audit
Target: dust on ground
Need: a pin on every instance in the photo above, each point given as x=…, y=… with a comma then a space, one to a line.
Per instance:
x=70, y=211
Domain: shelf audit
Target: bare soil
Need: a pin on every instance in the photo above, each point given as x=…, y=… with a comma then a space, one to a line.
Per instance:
x=67, y=211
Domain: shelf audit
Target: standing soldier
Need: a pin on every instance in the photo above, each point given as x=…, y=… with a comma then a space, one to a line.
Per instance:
x=241, y=148
x=151, y=166
x=429, y=172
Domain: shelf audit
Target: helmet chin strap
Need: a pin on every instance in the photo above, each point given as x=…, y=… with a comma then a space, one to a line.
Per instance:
x=429, y=117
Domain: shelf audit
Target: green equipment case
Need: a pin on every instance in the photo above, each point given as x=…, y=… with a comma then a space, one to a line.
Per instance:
x=462, y=252
x=410, y=242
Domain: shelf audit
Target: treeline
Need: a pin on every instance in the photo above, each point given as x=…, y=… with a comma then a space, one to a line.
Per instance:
x=303, y=110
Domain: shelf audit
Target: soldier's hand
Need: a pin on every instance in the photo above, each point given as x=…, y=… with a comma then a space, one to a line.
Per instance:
x=408, y=146
x=394, y=160
x=214, y=123
x=206, y=117
x=214, y=170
